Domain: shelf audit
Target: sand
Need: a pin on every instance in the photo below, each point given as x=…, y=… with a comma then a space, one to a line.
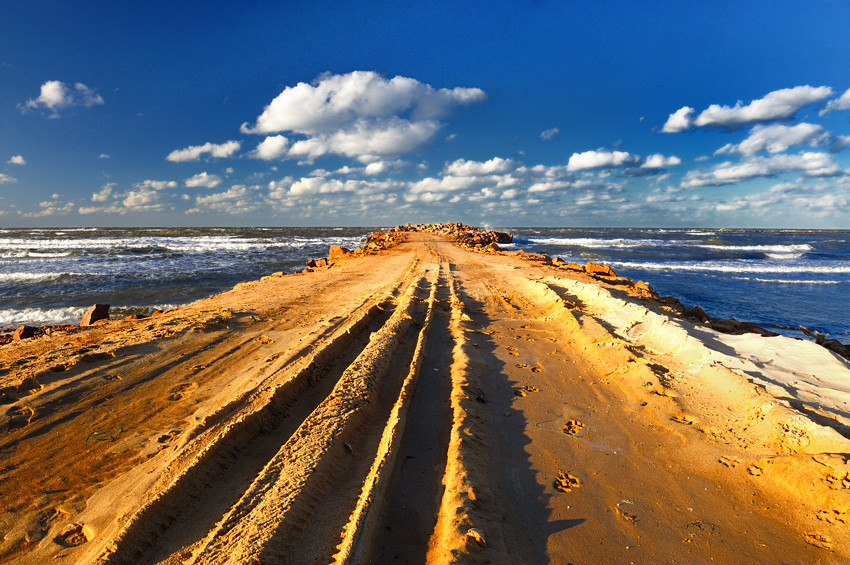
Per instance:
x=423, y=404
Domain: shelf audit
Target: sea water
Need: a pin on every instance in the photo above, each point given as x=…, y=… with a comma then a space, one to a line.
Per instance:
x=50, y=276
x=777, y=279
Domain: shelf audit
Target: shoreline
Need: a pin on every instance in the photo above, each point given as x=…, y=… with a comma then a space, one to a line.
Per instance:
x=595, y=409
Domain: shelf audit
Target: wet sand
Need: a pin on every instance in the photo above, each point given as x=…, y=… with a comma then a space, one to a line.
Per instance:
x=423, y=404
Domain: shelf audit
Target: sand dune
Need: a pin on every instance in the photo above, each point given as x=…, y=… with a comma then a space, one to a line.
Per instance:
x=423, y=404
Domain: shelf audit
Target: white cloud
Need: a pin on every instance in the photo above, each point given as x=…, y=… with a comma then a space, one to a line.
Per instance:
x=777, y=138
x=103, y=194
x=156, y=184
x=337, y=101
x=17, y=160
x=777, y=105
x=549, y=134
x=194, y=152
x=359, y=114
x=103, y=156
x=679, y=121
x=6, y=179
x=144, y=199
x=464, y=168
x=204, y=179
x=56, y=95
x=840, y=103
x=366, y=140
x=52, y=207
x=601, y=159
x=272, y=147
x=238, y=199
x=659, y=161
x=810, y=164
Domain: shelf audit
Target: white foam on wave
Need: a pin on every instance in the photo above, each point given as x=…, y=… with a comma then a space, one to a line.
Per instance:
x=37, y=276
x=596, y=242
x=41, y=316
x=797, y=248
x=731, y=267
x=787, y=281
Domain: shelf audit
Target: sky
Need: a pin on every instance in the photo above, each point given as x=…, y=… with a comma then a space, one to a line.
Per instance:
x=514, y=113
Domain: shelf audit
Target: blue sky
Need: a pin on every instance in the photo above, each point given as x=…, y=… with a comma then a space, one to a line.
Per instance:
x=726, y=114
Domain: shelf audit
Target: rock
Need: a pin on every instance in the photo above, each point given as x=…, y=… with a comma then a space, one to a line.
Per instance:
x=493, y=247
x=336, y=252
x=311, y=263
x=23, y=332
x=726, y=326
x=645, y=288
x=574, y=267
x=749, y=328
x=322, y=263
x=699, y=314
x=596, y=269
x=95, y=313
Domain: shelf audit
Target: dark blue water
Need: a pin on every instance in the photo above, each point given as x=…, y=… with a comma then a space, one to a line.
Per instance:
x=778, y=279
x=53, y=275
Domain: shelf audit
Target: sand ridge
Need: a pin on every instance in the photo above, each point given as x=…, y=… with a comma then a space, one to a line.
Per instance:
x=422, y=404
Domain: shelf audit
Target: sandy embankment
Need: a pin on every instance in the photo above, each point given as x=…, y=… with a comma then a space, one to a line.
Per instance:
x=423, y=404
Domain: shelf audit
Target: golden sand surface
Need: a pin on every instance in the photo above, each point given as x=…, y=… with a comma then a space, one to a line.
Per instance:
x=424, y=404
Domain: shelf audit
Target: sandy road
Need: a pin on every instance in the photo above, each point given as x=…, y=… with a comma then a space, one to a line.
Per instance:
x=424, y=405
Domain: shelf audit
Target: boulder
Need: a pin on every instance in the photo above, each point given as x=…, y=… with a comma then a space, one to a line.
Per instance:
x=596, y=269
x=23, y=332
x=645, y=288
x=699, y=314
x=95, y=313
x=336, y=252
x=726, y=326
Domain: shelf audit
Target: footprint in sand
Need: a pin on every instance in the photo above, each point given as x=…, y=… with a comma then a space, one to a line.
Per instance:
x=566, y=482
x=272, y=357
x=818, y=540
x=530, y=388
x=834, y=516
x=72, y=536
x=683, y=418
x=180, y=392
x=265, y=339
x=755, y=470
x=573, y=427
x=730, y=462
x=522, y=365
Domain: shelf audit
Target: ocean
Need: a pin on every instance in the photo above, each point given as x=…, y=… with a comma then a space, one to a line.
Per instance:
x=778, y=279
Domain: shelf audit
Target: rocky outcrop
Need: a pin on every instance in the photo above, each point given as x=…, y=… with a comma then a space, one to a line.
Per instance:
x=94, y=314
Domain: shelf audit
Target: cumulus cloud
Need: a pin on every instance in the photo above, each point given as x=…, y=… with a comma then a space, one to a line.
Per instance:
x=776, y=138
x=204, y=180
x=194, y=152
x=810, y=164
x=6, y=179
x=103, y=194
x=359, y=114
x=549, y=134
x=840, y=103
x=601, y=159
x=56, y=95
x=367, y=140
x=156, y=184
x=659, y=161
x=777, y=105
x=337, y=101
x=103, y=156
x=52, y=207
x=679, y=121
x=238, y=199
x=17, y=160
x=464, y=168
x=272, y=147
